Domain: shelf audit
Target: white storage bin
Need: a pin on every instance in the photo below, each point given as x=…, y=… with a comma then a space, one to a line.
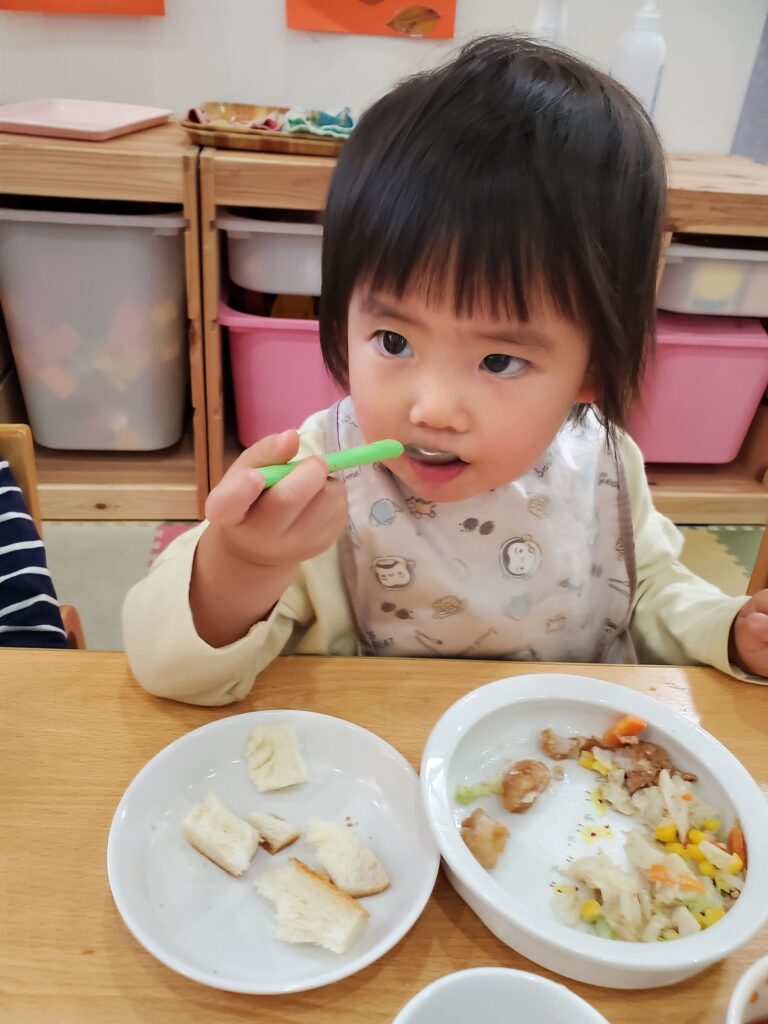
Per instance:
x=96, y=315
x=277, y=257
x=720, y=281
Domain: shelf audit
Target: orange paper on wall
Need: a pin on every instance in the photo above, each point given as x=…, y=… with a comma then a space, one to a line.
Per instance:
x=136, y=7
x=433, y=20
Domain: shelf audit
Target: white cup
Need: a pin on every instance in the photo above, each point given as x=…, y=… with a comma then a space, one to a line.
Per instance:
x=497, y=995
x=749, y=1001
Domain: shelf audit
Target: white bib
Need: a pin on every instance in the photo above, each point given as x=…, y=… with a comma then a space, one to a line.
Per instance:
x=540, y=569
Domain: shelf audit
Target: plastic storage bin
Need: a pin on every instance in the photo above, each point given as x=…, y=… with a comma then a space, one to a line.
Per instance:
x=278, y=373
x=700, y=393
x=95, y=310
x=277, y=257
x=720, y=281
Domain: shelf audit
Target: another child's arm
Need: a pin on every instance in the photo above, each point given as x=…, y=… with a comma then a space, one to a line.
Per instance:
x=256, y=541
x=679, y=618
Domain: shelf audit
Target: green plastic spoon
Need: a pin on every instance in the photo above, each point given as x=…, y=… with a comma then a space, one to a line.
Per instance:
x=347, y=459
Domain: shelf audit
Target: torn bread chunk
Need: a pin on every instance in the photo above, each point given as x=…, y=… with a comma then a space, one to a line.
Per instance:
x=310, y=908
x=274, y=757
x=276, y=833
x=485, y=837
x=350, y=864
x=221, y=836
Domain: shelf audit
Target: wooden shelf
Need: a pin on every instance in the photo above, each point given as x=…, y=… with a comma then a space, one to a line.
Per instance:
x=708, y=494
x=157, y=165
x=118, y=485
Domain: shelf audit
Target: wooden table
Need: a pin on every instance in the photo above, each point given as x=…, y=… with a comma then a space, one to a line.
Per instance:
x=76, y=728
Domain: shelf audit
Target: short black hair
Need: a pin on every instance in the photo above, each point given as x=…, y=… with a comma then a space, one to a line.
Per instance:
x=514, y=167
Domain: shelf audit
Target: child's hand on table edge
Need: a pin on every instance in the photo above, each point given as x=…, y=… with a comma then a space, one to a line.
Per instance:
x=748, y=645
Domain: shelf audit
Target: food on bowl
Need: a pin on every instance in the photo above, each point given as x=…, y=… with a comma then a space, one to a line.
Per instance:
x=684, y=873
x=522, y=784
x=485, y=837
x=350, y=865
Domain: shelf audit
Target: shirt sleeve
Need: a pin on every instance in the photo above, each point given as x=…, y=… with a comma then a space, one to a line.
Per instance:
x=679, y=618
x=170, y=659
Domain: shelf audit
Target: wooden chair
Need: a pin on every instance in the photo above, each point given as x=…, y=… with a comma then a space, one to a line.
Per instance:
x=16, y=446
x=759, y=578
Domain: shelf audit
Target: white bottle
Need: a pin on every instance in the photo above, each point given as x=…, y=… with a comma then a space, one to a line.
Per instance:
x=639, y=62
x=549, y=23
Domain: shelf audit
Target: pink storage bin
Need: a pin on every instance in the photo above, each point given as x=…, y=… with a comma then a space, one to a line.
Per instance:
x=700, y=393
x=278, y=372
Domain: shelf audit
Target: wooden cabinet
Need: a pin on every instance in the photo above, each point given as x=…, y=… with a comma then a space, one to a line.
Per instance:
x=158, y=166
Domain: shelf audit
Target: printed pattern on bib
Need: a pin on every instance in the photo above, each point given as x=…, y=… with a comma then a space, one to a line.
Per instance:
x=541, y=569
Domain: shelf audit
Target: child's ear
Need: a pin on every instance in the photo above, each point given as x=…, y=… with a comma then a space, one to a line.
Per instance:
x=588, y=392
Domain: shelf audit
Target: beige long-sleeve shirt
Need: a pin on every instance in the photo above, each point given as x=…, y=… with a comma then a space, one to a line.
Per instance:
x=678, y=618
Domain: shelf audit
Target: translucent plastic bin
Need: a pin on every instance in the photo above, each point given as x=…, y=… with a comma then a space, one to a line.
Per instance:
x=277, y=257
x=278, y=373
x=95, y=310
x=721, y=281
x=700, y=394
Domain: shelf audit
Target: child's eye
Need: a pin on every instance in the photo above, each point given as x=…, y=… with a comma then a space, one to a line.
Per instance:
x=502, y=365
x=391, y=343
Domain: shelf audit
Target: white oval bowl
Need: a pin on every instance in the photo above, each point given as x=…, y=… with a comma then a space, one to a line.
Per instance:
x=750, y=997
x=501, y=722
x=499, y=995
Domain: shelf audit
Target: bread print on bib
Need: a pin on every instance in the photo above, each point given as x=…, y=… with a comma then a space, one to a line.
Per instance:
x=393, y=571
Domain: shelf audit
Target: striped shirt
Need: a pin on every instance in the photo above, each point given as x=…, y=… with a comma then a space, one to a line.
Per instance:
x=29, y=610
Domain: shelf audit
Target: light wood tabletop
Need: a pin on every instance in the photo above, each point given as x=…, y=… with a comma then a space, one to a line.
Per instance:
x=76, y=728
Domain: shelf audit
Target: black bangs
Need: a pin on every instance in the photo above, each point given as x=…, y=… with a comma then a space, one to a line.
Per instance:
x=513, y=175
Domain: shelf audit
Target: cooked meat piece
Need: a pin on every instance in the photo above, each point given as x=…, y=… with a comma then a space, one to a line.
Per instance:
x=485, y=837
x=522, y=784
x=643, y=762
x=560, y=748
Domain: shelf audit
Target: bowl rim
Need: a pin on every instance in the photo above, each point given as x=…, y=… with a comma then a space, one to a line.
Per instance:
x=749, y=979
x=744, y=919
x=574, y=1001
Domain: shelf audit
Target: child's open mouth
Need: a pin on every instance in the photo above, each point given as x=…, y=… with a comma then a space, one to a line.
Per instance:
x=434, y=466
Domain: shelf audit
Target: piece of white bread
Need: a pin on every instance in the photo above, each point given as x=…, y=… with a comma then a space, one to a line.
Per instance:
x=311, y=909
x=274, y=757
x=350, y=864
x=276, y=833
x=221, y=836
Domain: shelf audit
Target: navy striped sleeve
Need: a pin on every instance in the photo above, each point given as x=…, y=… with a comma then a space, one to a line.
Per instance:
x=29, y=610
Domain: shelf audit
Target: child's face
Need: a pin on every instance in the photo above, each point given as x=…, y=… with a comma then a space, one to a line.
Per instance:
x=479, y=399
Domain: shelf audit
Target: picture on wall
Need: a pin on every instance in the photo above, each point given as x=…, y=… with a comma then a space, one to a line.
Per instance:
x=434, y=20
x=136, y=7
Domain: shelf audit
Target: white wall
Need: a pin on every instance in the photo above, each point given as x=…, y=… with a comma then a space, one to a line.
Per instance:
x=241, y=49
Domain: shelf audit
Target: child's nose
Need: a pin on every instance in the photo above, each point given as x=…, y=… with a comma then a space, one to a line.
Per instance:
x=440, y=405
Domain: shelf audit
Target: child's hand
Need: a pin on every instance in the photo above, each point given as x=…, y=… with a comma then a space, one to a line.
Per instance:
x=251, y=550
x=749, y=635
x=296, y=519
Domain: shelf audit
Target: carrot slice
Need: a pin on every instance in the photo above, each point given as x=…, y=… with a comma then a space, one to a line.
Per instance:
x=629, y=725
x=737, y=844
x=658, y=873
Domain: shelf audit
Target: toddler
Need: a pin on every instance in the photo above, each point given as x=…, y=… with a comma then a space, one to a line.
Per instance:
x=491, y=243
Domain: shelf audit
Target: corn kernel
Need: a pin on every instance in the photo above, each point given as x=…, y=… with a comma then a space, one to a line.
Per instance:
x=707, y=869
x=666, y=832
x=695, y=835
x=586, y=760
x=736, y=864
x=711, y=825
x=590, y=911
x=711, y=915
x=693, y=852
x=674, y=848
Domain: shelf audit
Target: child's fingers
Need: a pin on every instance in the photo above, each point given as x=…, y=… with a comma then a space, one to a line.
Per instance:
x=273, y=450
x=756, y=625
x=289, y=497
x=229, y=502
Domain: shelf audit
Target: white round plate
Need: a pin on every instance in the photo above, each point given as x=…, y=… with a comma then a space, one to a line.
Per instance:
x=216, y=929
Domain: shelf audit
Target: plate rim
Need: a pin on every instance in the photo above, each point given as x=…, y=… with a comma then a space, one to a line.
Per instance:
x=342, y=971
